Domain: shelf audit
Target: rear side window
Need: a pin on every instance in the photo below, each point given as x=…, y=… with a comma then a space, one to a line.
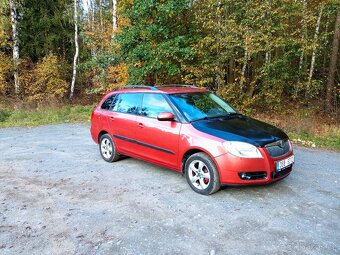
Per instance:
x=153, y=104
x=107, y=103
x=128, y=103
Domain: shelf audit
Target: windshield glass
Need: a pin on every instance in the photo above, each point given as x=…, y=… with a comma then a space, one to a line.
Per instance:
x=196, y=106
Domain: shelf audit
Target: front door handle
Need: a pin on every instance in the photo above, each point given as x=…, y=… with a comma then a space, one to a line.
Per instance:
x=112, y=118
x=140, y=125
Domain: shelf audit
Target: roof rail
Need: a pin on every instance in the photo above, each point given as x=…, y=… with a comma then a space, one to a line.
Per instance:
x=136, y=87
x=178, y=85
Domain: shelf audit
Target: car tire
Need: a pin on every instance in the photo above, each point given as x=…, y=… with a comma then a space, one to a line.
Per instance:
x=108, y=149
x=202, y=174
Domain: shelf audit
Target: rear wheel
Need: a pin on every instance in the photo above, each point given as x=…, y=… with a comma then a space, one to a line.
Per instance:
x=107, y=148
x=201, y=174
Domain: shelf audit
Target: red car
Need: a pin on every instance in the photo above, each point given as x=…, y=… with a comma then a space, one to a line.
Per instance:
x=193, y=131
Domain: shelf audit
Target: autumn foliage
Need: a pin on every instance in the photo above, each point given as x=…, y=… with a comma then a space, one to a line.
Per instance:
x=255, y=54
x=47, y=80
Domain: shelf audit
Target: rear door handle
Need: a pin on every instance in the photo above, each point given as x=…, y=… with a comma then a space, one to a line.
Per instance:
x=112, y=118
x=140, y=125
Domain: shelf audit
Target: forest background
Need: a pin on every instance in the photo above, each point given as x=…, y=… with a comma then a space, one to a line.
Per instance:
x=275, y=60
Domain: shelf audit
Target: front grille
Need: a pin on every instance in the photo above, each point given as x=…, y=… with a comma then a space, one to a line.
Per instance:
x=278, y=148
x=281, y=173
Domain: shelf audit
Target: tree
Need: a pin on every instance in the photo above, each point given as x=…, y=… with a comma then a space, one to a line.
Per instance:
x=311, y=70
x=332, y=67
x=46, y=27
x=114, y=17
x=76, y=54
x=156, y=40
x=15, y=36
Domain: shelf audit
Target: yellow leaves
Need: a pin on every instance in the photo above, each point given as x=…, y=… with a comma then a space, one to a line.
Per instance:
x=47, y=79
x=117, y=76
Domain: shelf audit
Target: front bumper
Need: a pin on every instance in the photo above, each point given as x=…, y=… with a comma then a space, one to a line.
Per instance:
x=242, y=171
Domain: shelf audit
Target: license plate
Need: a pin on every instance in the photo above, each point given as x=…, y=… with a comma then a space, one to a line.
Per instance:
x=282, y=164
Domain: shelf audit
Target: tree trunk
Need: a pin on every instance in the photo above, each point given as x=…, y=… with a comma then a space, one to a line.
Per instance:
x=304, y=34
x=243, y=72
x=74, y=75
x=301, y=61
x=312, y=63
x=15, y=36
x=101, y=15
x=231, y=71
x=325, y=53
x=332, y=66
x=218, y=78
x=93, y=27
x=114, y=17
x=268, y=57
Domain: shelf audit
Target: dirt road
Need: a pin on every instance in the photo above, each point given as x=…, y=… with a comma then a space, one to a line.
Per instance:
x=57, y=196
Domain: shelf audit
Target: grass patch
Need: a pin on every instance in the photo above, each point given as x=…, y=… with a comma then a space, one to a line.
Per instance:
x=307, y=130
x=330, y=140
x=36, y=117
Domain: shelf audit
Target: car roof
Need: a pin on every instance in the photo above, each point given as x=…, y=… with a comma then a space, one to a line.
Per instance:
x=163, y=89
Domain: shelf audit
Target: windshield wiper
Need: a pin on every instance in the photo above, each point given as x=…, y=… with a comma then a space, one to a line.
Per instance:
x=210, y=117
x=218, y=117
x=204, y=118
x=234, y=114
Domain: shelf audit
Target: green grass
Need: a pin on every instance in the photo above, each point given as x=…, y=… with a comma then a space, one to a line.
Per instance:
x=306, y=129
x=329, y=140
x=36, y=117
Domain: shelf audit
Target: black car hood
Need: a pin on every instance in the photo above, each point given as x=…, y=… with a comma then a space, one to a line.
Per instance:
x=241, y=128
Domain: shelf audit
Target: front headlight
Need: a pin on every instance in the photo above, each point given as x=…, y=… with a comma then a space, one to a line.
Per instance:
x=242, y=150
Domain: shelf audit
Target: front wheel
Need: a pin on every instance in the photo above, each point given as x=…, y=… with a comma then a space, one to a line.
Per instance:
x=201, y=174
x=107, y=148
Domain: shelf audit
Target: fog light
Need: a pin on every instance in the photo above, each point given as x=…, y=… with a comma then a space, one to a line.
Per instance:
x=252, y=175
x=245, y=176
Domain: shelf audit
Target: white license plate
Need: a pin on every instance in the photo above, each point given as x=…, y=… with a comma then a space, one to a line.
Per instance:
x=282, y=164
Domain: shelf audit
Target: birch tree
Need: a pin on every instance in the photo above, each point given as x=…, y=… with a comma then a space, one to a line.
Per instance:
x=114, y=17
x=304, y=32
x=243, y=71
x=75, y=59
x=332, y=67
x=15, y=37
x=101, y=15
x=312, y=63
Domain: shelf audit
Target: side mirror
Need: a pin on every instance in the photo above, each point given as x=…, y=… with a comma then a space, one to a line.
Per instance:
x=165, y=116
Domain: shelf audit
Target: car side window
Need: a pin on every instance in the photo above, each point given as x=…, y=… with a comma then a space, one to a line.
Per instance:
x=107, y=103
x=128, y=103
x=153, y=104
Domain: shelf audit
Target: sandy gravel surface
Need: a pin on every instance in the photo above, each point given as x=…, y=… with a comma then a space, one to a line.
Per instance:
x=57, y=196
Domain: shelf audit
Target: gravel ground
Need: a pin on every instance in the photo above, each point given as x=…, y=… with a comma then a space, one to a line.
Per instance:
x=57, y=196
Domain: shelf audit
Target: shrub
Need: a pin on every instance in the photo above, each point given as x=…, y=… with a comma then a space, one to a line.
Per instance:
x=47, y=81
x=4, y=115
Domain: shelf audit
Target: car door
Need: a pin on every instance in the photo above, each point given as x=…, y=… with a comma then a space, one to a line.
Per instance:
x=122, y=121
x=158, y=140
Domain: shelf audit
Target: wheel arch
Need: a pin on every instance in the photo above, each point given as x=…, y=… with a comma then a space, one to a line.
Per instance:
x=192, y=151
x=103, y=132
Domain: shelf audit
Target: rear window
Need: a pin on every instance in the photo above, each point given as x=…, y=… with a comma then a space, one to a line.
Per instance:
x=128, y=103
x=108, y=102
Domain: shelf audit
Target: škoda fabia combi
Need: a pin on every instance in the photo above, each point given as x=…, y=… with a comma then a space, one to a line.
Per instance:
x=193, y=131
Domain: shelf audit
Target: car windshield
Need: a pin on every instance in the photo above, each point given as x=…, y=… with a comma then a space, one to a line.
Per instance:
x=206, y=105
